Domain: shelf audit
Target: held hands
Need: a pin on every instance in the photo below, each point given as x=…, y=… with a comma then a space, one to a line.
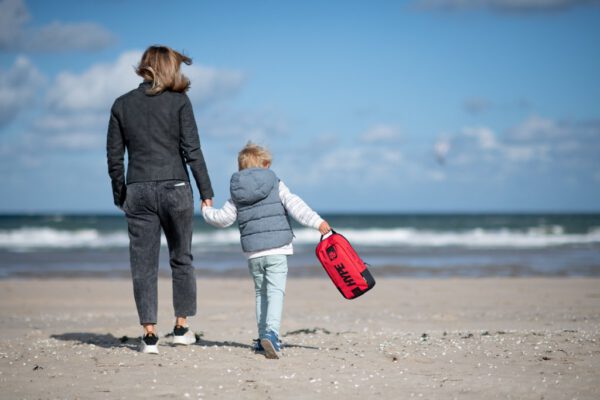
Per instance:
x=324, y=228
x=206, y=203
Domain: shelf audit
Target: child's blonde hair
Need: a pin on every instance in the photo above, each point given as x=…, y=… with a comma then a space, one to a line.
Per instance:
x=254, y=156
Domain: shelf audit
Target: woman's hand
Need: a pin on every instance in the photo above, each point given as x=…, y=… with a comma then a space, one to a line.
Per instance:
x=324, y=228
x=206, y=203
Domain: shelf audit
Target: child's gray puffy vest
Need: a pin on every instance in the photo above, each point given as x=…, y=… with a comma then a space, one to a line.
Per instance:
x=262, y=219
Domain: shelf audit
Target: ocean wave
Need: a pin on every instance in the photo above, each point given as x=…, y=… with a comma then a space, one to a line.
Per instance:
x=24, y=239
x=31, y=238
x=474, y=238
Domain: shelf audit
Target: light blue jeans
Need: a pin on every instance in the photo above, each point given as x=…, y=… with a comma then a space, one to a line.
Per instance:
x=269, y=273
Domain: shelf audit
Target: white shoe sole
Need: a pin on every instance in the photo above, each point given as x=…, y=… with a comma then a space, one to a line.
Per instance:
x=270, y=351
x=184, y=340
x=148, y=349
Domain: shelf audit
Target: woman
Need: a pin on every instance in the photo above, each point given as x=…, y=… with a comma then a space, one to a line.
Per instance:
x=155, y=124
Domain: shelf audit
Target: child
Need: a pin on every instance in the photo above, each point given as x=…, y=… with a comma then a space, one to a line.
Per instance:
x=260, y=203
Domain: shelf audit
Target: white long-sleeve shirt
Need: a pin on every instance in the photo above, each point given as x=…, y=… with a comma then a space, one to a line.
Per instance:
x=295, y=206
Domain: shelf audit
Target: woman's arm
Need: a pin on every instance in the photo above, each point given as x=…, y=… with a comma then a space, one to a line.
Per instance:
x=115, y=152
x=221, y=218
x=190, y=148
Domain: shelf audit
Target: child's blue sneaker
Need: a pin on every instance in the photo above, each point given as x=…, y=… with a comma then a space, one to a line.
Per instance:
x=271, y=345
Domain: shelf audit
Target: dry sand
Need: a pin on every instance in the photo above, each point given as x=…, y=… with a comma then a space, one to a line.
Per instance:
x=522, y=338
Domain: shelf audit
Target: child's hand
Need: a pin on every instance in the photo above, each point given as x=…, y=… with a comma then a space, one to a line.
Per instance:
x=324, y=228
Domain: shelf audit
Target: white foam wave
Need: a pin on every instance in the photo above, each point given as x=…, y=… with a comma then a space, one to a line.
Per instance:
x=475, y=238
x=538, y=237
x=27, y=238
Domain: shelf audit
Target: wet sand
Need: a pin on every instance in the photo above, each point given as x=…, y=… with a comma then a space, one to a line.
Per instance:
x=519, y=338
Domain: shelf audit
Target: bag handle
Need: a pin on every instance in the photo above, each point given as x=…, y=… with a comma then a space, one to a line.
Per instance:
x=331, y=232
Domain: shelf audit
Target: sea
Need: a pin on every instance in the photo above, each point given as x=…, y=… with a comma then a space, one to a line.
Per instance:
x=399, y=245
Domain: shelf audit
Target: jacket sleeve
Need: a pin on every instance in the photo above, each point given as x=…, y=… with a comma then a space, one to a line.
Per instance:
x=298, y=209
x=220, y=217
x=189, y=143
x=115, y=152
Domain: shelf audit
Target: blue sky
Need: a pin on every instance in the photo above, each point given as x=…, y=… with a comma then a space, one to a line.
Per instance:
x=378, y=106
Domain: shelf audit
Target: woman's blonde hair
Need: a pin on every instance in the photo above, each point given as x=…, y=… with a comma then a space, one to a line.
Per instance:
x=161, y=65
x=254, y=156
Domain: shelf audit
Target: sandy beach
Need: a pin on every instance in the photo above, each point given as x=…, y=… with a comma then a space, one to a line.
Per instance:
x=517, y=338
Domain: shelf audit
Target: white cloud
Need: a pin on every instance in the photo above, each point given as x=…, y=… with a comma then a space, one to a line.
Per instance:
x=347, y=160
x=54, y=37
x=210, y=85
x=348, y=166
x=485, y=138
x=97, y=87
x=524, y=153
x=381, y=133
x=13, y=14
x=441, y=147
x=19, y=87
x=77, y=105
x=437, y=175
x=515, y=6
x=477, y=105
x=59, y=36
x=535, y=128
x=535, y=144
x=58, y=122
x=477, y=145
x=225, y=123
x=391, y=157
x=71, y=131
x=75, y=140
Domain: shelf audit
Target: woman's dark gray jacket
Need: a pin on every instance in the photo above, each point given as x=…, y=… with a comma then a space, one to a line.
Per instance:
x=160, y=135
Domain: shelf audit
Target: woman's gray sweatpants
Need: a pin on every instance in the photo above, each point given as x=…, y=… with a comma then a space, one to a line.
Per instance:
x=148, y=207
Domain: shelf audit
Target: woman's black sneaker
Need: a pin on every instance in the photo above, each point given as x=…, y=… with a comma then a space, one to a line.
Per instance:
x=149, y=344
x=183, y=336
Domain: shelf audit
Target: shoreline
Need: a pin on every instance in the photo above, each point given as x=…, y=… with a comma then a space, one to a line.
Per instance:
x=234, y=275
x=308, y=271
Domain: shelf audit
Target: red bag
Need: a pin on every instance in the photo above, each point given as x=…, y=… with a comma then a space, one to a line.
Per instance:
x=345, y=268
